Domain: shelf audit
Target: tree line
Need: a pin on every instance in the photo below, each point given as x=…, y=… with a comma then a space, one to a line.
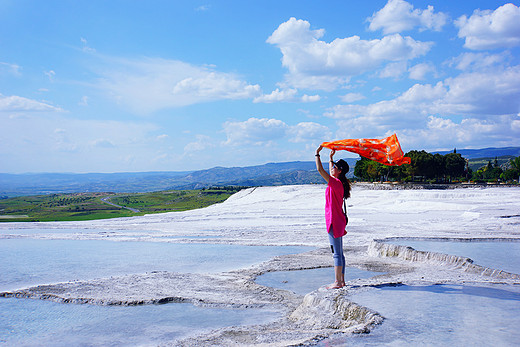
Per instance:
x=428, y=167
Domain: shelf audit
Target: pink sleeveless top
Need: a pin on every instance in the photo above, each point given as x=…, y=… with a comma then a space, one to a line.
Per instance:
x=334, y=207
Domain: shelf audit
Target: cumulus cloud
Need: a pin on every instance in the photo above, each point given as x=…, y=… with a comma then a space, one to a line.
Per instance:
x=310, y=98
x=149, y=84
x=352, y=97
x=478, y=94
x=445, y=133
x=394, y=70
x=278, y=95
x=478, y=61
x=398, y=16
x=265, y=131
x=308, y=132
x=21, y=104
x=285, y=95
x=487, y=102
x=420, y=71
x=318, y=64
x=491, y=29
x=256, y=131
x=201, y=143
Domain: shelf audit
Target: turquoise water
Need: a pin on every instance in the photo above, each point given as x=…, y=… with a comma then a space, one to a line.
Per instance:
x=305, y=281
x=441, y=315
x=493, y=254
x=26, y=262
x=26, y=322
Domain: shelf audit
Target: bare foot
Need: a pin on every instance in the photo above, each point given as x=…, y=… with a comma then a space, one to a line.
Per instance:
x=335, y=285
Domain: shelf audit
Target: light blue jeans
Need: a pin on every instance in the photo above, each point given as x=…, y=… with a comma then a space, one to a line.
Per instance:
x=336, y=244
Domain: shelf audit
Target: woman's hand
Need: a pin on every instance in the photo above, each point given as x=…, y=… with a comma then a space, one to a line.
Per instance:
x=319, y=150
x=332, y=152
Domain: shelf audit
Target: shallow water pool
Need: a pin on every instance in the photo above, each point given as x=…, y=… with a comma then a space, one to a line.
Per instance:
x=27, y=262
x=305, y=281
x=43, y=323
x=441, y=315
x=29, y=322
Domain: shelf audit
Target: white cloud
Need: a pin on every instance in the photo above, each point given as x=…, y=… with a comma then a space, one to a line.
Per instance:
x=419, y=71
x=13, y=69
x=148, y=85
x=278, y=95
x=310, y=98
x=21, y=104
x=265, y=131
x=285, y=95
x=445, y=133
x=202, y=8
x=394, y=70
x=256, y=131
x=398, y=16
x=86, y=48
x=476, y=94
x=472, y=109
x=308, y=132
x=352, y=97
x=201, y=143
x=491, y=29
x=50, y=74
x=478, y=61
x=318, y=64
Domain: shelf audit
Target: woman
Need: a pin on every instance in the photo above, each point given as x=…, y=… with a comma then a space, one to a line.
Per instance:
x=338, y=188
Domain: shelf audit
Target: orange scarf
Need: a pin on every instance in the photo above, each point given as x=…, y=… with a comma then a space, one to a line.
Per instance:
x=386, y=151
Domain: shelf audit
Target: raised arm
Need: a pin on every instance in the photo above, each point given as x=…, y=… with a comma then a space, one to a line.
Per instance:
x=331, y=160
x=319, y=165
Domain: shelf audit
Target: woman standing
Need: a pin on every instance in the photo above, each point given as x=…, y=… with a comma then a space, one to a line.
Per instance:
x=338, y=189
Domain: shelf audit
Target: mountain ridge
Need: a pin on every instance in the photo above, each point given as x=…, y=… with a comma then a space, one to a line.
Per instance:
x=294, y=172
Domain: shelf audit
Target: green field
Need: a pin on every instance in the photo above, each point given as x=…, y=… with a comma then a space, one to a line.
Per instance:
x=88, y=206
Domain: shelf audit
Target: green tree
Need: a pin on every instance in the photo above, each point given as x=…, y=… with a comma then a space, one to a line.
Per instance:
x=439, y=165
x=455, y=165
x=515, y=165
x=360, y=169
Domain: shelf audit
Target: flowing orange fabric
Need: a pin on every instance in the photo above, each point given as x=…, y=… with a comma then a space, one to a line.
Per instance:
x=386, y=151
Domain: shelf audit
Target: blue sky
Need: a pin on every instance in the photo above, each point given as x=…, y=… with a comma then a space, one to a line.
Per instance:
x=113, y=86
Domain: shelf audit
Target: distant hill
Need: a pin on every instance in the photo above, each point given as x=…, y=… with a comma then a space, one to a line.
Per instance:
x=490, y=152
x=297, y=172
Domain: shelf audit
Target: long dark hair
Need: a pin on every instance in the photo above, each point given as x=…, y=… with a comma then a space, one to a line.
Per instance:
x=347, y=186
x=344, y=167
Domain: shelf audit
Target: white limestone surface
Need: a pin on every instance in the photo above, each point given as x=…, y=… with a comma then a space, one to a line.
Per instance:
x=293, y=215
